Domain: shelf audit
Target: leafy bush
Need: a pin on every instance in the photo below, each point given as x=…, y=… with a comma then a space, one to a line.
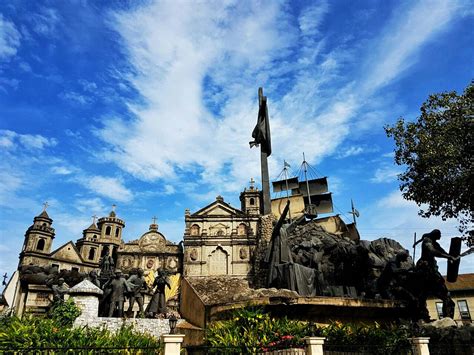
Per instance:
x=64, y=312
x=37, y=333
x=253, y=329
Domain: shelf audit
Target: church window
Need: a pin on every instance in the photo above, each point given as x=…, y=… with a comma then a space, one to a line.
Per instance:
x=44, y=224
x=41, y=244
x=108, y=230
x=252, y=201
x=242, y=229
x=117, y=231
x=195, y=229
x=92, y=254
x=94, y=237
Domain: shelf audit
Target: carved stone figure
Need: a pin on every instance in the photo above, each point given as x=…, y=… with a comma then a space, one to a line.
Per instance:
x=427, y=268
x=117, y=287
x=107, y=262
x=59, y=290
x=138, y=287
x=94, y=278
x=157, y=304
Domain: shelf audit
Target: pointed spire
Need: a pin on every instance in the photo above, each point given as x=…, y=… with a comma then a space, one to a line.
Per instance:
x=43, y=213
x=112, y=213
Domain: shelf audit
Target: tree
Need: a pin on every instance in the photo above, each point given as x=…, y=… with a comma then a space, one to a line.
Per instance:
x=437, y=150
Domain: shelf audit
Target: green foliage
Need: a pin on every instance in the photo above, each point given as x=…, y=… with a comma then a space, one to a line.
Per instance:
x=252, y=329
x=437, y=152
x=36, y=333
x=64, y=313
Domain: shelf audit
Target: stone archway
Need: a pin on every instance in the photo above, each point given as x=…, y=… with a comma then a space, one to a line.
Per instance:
x=218, y=262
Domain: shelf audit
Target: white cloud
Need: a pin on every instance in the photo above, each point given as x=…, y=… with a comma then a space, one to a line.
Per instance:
x=8, y=139
x=403, y=38
x=61, y=170
x=394, y=217
x=109, y=187
x=9, y=38
x=45, y=21
x=91, y=205
x=197, y=69
x=385, y=174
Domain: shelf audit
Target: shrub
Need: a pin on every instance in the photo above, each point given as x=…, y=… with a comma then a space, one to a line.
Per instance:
x=64, y=312
x=253, y=329
x=45, y=333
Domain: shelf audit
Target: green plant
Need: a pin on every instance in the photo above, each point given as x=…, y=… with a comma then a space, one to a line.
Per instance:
x=64, y=312
x=35, y=333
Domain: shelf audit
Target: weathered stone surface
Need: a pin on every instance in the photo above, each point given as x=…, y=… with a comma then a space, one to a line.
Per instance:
x=214, y=290
x=85, y=287
x=443, y=323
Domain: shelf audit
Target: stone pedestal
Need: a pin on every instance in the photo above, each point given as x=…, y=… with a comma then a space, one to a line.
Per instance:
x=172, y=343
x=314, y=345
x=420, y=346
x=86, y=297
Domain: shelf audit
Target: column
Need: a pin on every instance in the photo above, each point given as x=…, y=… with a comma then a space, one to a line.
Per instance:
x=314, y=345
x=420, y=346
x=172, y=343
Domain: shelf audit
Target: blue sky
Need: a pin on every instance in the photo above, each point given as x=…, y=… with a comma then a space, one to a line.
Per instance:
x=150, y=105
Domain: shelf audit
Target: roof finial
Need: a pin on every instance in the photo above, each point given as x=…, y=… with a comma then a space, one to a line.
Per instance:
x=154, y=219
x=45, y=206
x=252, y=183
x=113, y=207
x=94, y=217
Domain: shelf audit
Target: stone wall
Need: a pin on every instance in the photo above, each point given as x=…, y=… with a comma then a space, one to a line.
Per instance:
x=260, y=268
x=153, y=327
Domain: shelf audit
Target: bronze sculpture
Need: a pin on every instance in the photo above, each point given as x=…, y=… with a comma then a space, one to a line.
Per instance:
x=157, y=303
x=138, y=286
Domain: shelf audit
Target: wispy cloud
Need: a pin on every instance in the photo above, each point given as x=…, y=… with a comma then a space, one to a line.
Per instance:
x=9, y=38
x=10, y=139
x=385, y=174
x=109, y=187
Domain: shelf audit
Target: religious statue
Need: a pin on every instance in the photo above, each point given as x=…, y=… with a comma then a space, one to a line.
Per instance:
x=107, y=262
x=138, y=286
x=157, y=304
x=59, y=290
x=116, y=289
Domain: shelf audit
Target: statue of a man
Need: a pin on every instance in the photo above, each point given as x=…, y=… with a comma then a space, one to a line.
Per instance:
x=138, y=286
x=428, y=268
x=59, y=290
x=107, y=262
x=93, y=277
x=118, y=287
x=157, y=304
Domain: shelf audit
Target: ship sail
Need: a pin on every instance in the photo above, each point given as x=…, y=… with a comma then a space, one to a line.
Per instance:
x=284, y=185
x=316, y=187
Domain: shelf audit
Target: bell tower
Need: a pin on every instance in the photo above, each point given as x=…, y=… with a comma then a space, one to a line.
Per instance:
x=39, y=236
x=88, y=245
x=250, y=200
x=110, y=234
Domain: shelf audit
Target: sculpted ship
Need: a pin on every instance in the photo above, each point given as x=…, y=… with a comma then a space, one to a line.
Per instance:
x=310, y=197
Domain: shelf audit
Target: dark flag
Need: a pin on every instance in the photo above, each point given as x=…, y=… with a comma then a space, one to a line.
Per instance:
x=261, y=132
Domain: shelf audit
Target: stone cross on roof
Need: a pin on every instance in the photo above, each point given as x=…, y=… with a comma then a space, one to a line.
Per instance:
x=94, y=217
x=45, y=206
x=154, y=219
x=113, y=207
x=252, y=183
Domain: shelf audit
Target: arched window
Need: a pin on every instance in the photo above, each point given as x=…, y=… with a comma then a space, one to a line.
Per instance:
x=108, y=230
x=92, y=254
x=94, y=237
x=44, y=224
x=242, y=229
x=40, y=245
x=195, y=229
x=117, y=232
x=252, y=201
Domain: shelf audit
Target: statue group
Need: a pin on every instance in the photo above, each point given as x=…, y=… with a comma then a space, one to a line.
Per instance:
x=303, y=257
x=117, y=287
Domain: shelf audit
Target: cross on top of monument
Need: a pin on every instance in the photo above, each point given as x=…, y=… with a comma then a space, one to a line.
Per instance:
x=252, y=183
x=5, y=277
x=154, y=219
x=113, y=207
x=94, y=217
x=45, y=206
